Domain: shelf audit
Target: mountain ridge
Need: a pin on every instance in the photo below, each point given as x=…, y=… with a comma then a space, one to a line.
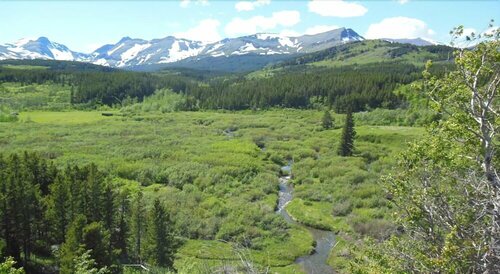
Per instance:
x=133, y=53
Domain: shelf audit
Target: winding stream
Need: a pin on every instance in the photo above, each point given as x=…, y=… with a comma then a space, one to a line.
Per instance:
x=316, y=262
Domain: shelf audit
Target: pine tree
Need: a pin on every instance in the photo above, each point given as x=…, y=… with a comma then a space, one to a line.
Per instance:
x=12, y=215
x=76, y=200
x=58, y=203
x=119, y=238
x=108, y=207
x=94, y=192
x=160, y=240
x=96, y=238
x=327, y=120
x=138, y=226
x=346, y=146
x=8, y=207
x=72, y=247
x=21, y=207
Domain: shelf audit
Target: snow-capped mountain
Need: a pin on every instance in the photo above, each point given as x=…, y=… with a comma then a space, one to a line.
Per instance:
x=41, y=48
x=137, y=52
x=270, y=43
x=130, y=52
x=133, y=52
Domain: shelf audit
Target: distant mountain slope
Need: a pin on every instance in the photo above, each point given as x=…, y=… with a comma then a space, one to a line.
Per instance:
x=272, y=44
x=229, y=64
x=134, y=52
x=372, y=51
x=41, y=48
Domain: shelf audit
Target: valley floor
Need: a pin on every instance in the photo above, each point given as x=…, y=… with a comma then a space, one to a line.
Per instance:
x=217, y=173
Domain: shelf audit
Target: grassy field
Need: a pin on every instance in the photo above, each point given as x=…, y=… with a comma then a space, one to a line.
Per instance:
x=62, y=118
x=218, y=172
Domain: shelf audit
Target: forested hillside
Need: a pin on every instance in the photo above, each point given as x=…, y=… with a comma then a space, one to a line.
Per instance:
x=372, y=51
x=359, y=87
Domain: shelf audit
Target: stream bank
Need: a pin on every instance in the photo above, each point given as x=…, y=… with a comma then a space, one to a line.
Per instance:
x=324, y=240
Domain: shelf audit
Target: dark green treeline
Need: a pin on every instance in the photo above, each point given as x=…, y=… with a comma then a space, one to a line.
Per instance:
x=48, y=212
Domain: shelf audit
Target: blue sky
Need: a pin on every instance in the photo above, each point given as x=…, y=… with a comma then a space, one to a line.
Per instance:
x=85, y=25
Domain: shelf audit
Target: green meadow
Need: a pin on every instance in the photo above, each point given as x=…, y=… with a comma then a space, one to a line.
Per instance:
x=218, y=173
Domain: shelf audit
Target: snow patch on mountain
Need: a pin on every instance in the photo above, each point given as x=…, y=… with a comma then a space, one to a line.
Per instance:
x=215, y=47
x=133, y=52
x=115, y=49
x=62, y=55
x=180, y=50
x=286, y=41
x=218, y=54
x=101, y=62
x=248, y=47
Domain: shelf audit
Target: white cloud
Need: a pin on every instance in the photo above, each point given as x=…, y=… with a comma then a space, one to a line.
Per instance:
x=186, y=3
x=206, y=31
x=286, y=18
x=398, y=28
x=336, y=8
x=319, y=29
x=248, y=5
x=402, y=2
x=244, y=6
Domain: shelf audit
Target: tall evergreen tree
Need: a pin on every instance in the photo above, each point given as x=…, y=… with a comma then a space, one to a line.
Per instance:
x=346, y=146
x=122, y=233
x=22, y=206
x=94, y=193
x=58, y=203
x=72, y=247
x=108, y=207
x=138, y=226
x=160, y=240
x=96, y=238
x=13, y=207
x=31, y=211
x=75, y=188
x=8, y=207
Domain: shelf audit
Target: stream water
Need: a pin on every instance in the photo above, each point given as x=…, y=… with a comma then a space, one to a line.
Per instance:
x=314, y=263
